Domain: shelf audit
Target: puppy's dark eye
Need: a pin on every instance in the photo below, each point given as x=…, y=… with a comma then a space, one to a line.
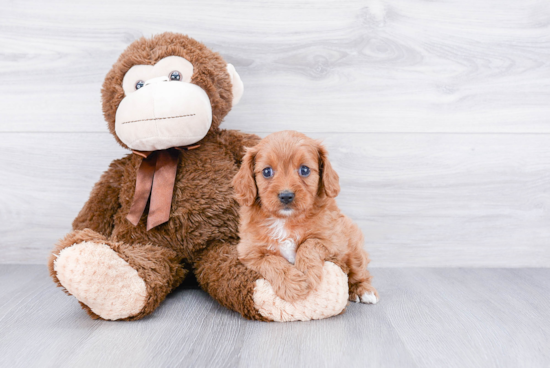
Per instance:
x=267, y=172
x=139, y=84
x=175, y=76
x=304, y=171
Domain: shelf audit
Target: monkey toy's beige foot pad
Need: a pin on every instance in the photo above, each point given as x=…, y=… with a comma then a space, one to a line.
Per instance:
x=329, y=299
x=99, y=278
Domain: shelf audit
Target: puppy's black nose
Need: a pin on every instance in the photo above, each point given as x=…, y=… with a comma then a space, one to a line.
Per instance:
x=286, y=197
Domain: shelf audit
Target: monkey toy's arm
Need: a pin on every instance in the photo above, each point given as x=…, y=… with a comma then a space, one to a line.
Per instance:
x=236, y=142
x=99, y=211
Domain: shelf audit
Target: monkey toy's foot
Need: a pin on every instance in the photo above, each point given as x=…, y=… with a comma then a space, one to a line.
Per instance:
x=114, y=280
x=101, y=280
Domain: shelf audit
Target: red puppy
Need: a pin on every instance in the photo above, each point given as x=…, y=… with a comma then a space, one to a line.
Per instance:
x=290, y=223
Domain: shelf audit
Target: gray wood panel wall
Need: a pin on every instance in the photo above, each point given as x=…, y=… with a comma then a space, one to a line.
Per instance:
x=436, y=113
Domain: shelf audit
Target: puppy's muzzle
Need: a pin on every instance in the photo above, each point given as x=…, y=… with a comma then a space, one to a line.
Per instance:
x=286, y=197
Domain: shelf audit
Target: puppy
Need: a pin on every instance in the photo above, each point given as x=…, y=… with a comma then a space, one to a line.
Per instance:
x=289, y=221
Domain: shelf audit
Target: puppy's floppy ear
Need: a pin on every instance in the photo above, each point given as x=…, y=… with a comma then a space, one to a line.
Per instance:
x=244, y=182
x=329, y=182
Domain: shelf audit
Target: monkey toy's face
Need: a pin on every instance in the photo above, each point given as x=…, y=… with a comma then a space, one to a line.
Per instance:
x=166, y=92
x=162, y=108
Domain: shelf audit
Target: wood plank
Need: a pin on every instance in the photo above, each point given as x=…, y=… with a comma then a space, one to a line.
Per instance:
x=362, y=337
x=44, y=184
x=421, y=199
x=471, y=317
x=426, y=318
x=323, y=66
x=191, y=330
x=41, y=326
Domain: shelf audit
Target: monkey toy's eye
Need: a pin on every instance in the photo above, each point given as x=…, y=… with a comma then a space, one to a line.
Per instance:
x=175, y=76
x=139, y=84
x=304, y=171
x=267, y=172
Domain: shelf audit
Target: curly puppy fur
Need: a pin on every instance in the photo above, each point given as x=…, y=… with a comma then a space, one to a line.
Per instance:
x=305, y=231
x=202, y=232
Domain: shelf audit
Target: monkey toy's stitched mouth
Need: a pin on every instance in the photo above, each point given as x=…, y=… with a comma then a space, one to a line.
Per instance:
x=169, y=117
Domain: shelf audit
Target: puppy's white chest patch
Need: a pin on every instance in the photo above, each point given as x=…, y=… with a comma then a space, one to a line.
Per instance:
x=288, y=250
x=282, y=239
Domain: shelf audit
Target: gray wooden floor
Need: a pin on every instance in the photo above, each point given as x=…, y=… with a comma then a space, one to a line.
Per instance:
x=427, y=318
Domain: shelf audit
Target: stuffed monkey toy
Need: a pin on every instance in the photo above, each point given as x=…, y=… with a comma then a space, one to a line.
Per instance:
x=167, y=209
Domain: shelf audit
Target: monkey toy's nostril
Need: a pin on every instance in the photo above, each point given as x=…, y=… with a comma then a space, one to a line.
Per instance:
x=286, y=197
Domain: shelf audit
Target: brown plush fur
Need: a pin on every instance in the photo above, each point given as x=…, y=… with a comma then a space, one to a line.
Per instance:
x=312, y=220
x=201, y=234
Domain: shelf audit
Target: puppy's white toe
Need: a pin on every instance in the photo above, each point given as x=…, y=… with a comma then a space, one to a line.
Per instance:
x=369, y=298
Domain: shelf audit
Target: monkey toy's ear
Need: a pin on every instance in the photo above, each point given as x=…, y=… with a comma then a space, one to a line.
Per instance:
x=238, y=87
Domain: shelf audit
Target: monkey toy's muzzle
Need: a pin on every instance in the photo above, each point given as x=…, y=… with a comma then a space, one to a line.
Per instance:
x=163, y=114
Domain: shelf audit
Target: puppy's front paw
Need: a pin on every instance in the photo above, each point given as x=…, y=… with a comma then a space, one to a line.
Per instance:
x=312, y=271
x=293, y=286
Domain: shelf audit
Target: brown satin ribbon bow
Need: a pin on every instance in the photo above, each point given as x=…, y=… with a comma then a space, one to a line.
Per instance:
x=155, y=179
